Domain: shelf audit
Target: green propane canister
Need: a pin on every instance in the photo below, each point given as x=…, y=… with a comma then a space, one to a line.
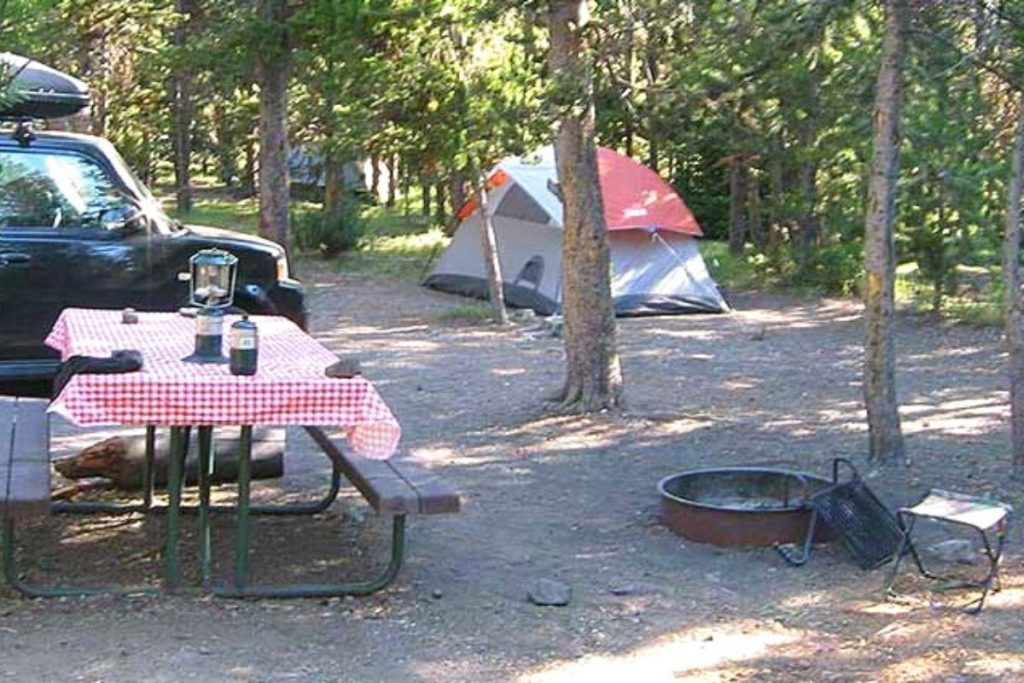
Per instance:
x=244, y=343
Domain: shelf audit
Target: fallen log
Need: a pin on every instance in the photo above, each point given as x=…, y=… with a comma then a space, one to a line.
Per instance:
x=121, y=458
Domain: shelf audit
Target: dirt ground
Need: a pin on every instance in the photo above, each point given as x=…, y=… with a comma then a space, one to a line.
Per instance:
x=571, y=499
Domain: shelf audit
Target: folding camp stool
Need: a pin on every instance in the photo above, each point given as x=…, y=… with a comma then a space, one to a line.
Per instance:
x=981, y=514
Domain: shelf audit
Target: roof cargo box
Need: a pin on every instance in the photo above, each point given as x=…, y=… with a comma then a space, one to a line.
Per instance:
x=39, y=92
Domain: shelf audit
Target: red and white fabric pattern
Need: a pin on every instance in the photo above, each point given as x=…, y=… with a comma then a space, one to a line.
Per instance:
x=290, y=387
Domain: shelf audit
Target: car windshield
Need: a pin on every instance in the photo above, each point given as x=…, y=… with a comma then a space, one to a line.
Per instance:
x=49, y=189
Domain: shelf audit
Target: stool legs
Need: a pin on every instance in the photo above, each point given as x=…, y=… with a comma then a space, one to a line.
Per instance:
x=990, y=582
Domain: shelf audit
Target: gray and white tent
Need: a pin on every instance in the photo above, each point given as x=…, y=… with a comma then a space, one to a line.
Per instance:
x=656, y=266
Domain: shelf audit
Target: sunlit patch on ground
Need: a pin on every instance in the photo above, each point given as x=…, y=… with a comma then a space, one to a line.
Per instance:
x=694, y=655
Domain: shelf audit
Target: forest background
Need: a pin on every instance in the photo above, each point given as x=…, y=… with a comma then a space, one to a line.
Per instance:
x=758, y=111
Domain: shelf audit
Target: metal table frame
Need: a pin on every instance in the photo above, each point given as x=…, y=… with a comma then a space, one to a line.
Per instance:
x=174, y=510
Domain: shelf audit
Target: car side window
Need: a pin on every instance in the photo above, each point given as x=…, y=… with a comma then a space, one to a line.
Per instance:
x=48, y=189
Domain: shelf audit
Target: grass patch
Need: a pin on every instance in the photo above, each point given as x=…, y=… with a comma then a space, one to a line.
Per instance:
x=395, y=244
x=468, y=313
x=976, y=298
x=405, y=256
x=242, y=215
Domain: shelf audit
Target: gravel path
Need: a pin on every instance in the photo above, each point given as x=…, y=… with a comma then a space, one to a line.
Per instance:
x=570, y=499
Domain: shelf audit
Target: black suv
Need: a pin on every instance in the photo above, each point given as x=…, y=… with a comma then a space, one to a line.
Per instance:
x=77, y=228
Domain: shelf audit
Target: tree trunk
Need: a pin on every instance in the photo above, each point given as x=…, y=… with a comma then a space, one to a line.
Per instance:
x=737, y=206
x=777, y=189
x=182, y=109
x=810, y=223
x=248, y=180
x=121, y=458
x=939, y=259
x=489, y=246
x=594, y=376
x=375, y=177
x=439, y=209
x=630, y=58
x=272, y=66
x=653, y=123
x=425, y=196
x=1013, y=318
x=392, y=180
x=457, y=189
x=886, y=438
x=225, y=144
x=755, y=224
x=334, y=191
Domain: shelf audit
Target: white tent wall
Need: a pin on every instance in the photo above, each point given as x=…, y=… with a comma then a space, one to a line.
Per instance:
x=461, y=267
x=660, y=272
x=652, y=273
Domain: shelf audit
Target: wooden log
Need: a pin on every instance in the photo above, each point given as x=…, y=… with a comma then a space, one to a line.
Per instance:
x=120, y=459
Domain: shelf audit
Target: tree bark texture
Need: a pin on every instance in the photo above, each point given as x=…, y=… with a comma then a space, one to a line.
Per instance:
x=594, y=375
x=777, y=190
x=226, y=144
x=121, y=458
x=629, y=131
x=653, y=123
x=737, y=205
x=886, y=438
x=272, y=68
x=489, y=247
x=755, y=222
x=334, y=191
x=392, y=180
x=440, y=213
x=247, y=183
x=182, y=108
x=457, y=189
x=375, y=177
x=810, y=222
x=1012, y=315
x=425, y=196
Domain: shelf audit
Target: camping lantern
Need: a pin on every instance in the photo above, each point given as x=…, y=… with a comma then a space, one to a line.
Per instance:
x=212, y=276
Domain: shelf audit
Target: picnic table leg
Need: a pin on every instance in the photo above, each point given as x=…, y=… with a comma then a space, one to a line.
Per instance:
x=330, y=590
x=176, y=466
x=242, y=513
x=205, y=463
x=148, y=468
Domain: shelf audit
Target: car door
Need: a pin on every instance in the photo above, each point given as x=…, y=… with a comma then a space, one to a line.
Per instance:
x=61, y=245
x=34, y=270
x=34, y=256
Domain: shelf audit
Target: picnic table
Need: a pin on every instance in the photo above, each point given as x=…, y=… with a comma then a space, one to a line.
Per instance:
x=290, y=388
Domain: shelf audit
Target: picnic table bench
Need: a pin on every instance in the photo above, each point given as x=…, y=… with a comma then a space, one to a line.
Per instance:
x=393, y=488
x=24, y=469
x=24, y=458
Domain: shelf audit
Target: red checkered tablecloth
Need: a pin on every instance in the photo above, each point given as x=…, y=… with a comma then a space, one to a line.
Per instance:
x=290, y=387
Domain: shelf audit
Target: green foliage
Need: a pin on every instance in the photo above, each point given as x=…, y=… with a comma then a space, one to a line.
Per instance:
x=395, y=245
x=733, y=272
x=329, y=237
x=835, y=267
x=431, y=89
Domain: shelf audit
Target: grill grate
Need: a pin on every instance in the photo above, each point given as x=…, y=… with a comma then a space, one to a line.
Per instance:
x=867, y=529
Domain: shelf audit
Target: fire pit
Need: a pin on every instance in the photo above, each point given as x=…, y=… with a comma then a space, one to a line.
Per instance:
x=740, y=506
